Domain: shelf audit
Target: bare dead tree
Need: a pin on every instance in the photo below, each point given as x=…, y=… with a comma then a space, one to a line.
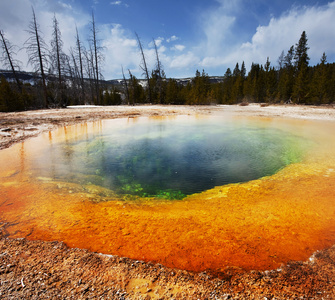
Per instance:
x=158, y=73
x=98, y=57
x=159, y=66
x=79, y=50
x=73, y=68
x=7, y=52
x=126, y=85
x=37, y=53
x=58, y=60
x=72, y=72
x=90, y=70
x=143, y=66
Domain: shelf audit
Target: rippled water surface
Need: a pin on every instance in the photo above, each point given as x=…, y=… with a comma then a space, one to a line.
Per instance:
x=251, y=193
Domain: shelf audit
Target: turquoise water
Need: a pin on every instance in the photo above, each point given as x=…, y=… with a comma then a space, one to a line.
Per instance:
x=171, y=158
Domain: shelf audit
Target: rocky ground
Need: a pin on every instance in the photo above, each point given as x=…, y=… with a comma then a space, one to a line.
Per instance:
x=51, y=270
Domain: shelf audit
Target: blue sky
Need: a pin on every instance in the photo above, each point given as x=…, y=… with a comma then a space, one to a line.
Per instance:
x=190, y=34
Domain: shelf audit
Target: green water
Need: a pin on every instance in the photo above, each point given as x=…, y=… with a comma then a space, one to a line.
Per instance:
x=172, y=158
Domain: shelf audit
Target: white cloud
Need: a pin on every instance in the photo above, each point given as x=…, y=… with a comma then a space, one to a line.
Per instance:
x=188, y=60
x=119, y=49
x=158, y=42
x=217, y=25
x=161, y=50
x=222, y=49
x=212, y=61
x=218, y=46
x=217, y=32
x=281, y=33
x=172, y=39
x=178, y=48
x=65, y=5
x=119, y=3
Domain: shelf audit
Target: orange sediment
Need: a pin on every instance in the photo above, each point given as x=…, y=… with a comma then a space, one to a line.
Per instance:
x=255, y=225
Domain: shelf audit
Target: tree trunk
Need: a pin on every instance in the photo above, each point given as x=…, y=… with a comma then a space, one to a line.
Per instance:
x=40, y=58
x=159, y=74
x=96, y=60
x=144, y=67
x=57, y=43
x=81, y=69
x=6, y=47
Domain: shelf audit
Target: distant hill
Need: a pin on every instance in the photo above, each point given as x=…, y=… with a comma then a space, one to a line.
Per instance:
x=31, y=78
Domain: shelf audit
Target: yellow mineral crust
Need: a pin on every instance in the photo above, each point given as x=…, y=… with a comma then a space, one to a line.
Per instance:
x=259, y=224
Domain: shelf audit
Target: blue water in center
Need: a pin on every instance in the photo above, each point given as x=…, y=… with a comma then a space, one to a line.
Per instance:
x=171, y=158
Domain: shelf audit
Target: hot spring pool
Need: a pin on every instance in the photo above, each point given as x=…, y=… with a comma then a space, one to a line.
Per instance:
x=167, y=158
x=192, y=192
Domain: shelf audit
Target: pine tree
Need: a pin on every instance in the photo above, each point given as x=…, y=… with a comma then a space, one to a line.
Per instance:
x=136, y=92
x=252, y=83
x=300, y=87
x=173, y=92
x=200, y=89
x=249, y=84
x=323, y=59
x=272, y=84
x=236, y=71
x=227, y=86
x=270, y=81
x=301, y=57
x=9, y=99
x=281, y=59
x=5, y=95
x=286, y=77
x=238, y=78
x=186, y=93
x=288, y=59
x=320, y=83
x=243, y=71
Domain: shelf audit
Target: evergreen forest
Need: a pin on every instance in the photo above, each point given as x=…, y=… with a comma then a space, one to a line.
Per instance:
x=75, y=79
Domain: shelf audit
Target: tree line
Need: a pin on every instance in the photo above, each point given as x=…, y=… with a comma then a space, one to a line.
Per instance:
x=293, y=80
x=75, y=78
